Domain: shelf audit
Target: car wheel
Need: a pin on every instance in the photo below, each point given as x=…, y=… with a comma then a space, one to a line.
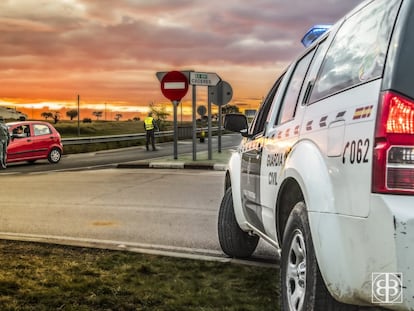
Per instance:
x=302, y=286
x=54, y=155
x=233, y=241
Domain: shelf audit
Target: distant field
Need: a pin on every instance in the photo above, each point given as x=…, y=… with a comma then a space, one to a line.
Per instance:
x=103, y=128
x=99, y=128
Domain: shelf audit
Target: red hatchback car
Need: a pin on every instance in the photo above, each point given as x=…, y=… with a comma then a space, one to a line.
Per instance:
x=33, y=140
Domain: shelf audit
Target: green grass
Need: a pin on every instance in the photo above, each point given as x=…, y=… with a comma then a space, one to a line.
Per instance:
x=48, y=277
x=99, y=128
x=105, y=128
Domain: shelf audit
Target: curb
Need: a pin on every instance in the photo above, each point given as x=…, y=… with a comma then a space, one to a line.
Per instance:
x=175, y=165
x=142, y=248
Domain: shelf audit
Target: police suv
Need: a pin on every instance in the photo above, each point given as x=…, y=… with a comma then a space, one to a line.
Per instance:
x=325, y=171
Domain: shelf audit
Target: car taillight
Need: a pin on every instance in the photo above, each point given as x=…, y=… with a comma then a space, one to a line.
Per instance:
x=401, y=115
x=393, y=160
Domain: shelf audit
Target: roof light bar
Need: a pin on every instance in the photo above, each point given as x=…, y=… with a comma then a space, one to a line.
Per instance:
x=314, y=33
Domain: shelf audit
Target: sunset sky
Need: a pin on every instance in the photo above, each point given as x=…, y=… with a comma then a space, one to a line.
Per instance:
x=108, y=51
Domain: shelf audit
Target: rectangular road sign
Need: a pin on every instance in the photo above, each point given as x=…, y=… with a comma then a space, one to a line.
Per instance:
x=204, y=78
x=174, y=85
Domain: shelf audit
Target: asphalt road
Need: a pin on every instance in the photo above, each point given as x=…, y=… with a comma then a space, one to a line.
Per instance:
x=172, y=211
x=110, y=158
x=84, y=200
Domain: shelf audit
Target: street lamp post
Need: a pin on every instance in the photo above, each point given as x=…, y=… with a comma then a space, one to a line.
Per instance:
x=78, y=117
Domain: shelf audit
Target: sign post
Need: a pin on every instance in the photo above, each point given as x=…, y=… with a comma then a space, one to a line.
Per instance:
x=221, y=95
x=206, y=79
x=194, y=104
x=174, y=86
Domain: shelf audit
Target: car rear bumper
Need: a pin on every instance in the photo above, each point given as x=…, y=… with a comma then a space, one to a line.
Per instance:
x=361, y=259
x=401, y=208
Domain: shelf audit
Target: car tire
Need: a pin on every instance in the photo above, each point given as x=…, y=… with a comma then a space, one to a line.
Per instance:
x=233, y=241
x=54, y=155
x=301, y=283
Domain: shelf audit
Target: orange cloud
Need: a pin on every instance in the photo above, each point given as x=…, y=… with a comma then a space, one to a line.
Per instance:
x=109, y=51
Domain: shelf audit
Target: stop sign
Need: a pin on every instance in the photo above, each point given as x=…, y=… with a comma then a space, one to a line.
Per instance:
x=174, y=85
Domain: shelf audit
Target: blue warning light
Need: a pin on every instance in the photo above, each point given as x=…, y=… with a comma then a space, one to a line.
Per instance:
x=314, y=33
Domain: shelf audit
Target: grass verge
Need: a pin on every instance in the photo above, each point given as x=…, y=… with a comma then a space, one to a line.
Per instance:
x=49, y=277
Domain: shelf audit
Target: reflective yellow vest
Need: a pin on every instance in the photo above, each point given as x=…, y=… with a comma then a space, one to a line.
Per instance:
x=148, y=123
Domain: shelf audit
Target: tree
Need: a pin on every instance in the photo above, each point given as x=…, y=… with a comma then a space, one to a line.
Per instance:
x=97, y=114
x=118, y=116
x=73, y=113
x=159, y=114
x=46, y=115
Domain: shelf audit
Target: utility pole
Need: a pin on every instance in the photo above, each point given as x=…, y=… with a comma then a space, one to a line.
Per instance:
x=78, y=117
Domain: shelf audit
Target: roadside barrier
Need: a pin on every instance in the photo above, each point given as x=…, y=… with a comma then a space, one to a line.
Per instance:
x=125, y=137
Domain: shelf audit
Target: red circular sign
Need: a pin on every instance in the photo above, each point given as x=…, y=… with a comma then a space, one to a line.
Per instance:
x=174, y=85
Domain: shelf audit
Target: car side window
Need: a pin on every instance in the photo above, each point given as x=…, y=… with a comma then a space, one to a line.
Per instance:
x=358, y=51
x=41, y=129
x=290, y=99
x=21, y=131
x=259, y=121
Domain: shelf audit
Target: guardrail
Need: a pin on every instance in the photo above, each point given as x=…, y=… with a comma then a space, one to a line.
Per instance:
x=126, y=137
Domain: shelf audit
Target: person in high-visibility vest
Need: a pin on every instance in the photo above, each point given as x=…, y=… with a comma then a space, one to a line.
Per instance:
x=150, y=127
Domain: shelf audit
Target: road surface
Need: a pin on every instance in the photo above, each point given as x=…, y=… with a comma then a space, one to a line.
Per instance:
x=110, y=158
x=168, y=210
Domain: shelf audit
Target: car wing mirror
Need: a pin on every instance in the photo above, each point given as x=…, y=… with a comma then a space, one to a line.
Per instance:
x=236, y=122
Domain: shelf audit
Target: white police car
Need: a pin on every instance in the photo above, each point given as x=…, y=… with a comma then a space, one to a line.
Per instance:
x=325, y=172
